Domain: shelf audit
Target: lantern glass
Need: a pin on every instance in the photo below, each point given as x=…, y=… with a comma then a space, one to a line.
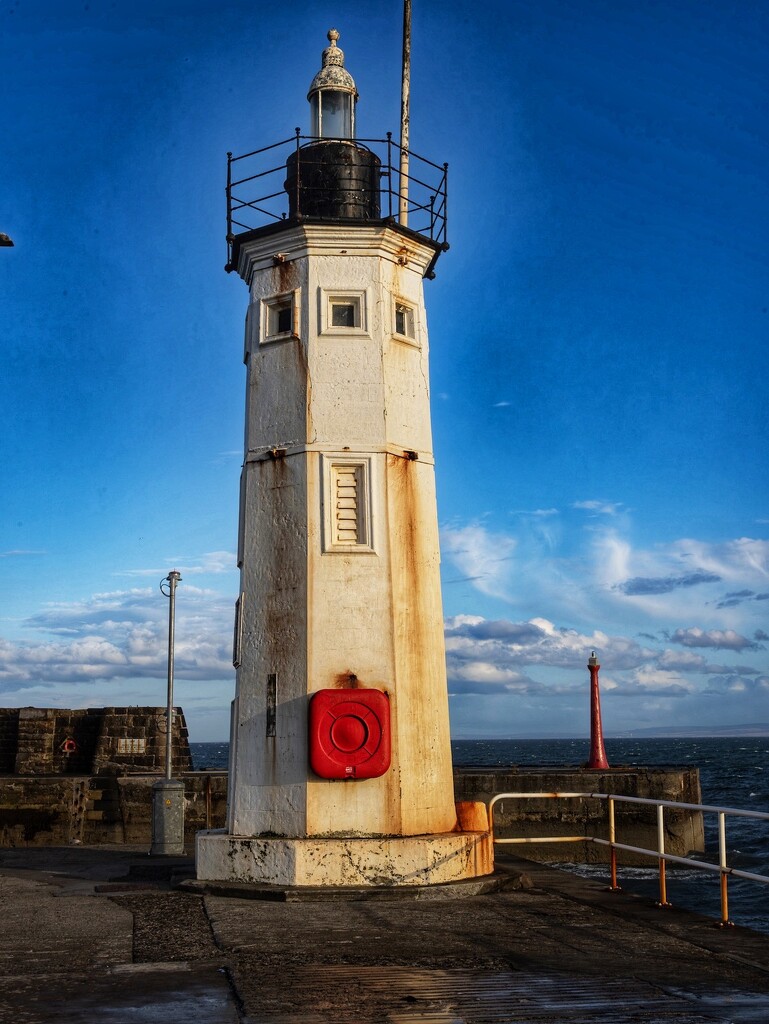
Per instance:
x=332, y=114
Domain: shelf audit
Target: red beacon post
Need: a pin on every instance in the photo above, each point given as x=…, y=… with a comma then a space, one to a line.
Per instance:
x=597, y=751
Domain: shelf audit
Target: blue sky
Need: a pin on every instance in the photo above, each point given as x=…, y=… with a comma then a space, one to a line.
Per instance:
x=598, y=336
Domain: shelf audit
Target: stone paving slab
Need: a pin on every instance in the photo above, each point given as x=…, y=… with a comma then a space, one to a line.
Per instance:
x=179, y=994
x=406, y=995
x=562, y=950
x=530, y=929
x=67, y=954
x=44, y=931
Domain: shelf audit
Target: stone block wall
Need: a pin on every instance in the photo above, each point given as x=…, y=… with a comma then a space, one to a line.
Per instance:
x=117, y=808
x=57, y=810
x=57, y=741
x=9, y=739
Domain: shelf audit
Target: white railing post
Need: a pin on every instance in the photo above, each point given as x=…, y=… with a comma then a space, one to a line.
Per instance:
x=724, y=875
x=663, y=902
x=612, y=849
x=722, y=867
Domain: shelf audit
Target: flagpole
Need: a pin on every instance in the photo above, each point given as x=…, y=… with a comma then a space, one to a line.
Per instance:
x=403, y=205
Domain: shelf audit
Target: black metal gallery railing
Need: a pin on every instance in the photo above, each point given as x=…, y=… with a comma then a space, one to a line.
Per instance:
x=320, y=179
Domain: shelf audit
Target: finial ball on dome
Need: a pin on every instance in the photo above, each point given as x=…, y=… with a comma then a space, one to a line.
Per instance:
x=332, y=95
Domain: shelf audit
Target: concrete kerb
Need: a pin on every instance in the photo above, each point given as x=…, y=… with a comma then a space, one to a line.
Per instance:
x=501, y=879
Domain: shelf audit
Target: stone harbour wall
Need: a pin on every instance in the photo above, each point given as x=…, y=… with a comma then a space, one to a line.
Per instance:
x=58, y=741
x=92, y=810
x=117, y=808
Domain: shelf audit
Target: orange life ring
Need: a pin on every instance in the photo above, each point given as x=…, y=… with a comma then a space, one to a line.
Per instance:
x=68, y=746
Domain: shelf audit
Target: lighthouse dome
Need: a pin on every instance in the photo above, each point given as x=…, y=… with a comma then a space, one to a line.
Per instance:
x=333, y=75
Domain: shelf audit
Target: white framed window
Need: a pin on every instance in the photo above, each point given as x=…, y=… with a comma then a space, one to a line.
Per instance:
x=280, y=317
x=347, y=522
x=343, y=312
x=404, y=321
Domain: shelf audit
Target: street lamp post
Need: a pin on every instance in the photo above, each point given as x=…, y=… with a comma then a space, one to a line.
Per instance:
x=167, y=794
x=171, y=579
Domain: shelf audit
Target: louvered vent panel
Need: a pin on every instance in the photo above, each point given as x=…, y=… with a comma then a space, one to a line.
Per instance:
x=346, y=502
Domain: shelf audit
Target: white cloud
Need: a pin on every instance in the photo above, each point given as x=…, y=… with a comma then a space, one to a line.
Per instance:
x=536, y=642
x=682, y=661
x=211, y=563
x=683, y=579
x=661, y=610
x=720, y=639
x=597, y=577
x=603, y=508
x=535, y=663
x=483, y=677
x=744, y=560
x=122, y=635
x=481, y=556
x=739, y=685
x=613, y=555
x=651, y=679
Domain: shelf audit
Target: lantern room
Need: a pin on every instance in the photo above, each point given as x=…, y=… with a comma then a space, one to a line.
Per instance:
x=333, y=177
x=333, y=96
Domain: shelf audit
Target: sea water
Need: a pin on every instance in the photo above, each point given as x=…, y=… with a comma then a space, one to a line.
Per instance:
x=734, y=772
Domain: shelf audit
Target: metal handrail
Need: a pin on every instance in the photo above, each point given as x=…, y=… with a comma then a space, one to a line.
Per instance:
x=723, y=868
x=425, y=192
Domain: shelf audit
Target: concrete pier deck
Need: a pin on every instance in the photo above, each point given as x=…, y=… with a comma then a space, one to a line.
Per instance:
x=75, y=945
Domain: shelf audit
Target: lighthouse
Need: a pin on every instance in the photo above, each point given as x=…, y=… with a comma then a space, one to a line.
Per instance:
x=340, y=759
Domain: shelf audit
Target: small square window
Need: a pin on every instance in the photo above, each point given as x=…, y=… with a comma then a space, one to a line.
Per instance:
x=343, y=314
x=284, y=320
x=280, y=317
x=404, y=320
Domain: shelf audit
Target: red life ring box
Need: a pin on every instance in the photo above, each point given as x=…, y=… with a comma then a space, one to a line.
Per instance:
x=349, y=733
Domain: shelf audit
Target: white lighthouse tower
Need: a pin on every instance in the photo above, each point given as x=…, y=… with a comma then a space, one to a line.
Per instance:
x=340, y=763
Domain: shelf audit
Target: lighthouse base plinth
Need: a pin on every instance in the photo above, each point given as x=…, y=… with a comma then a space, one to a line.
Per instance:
x=344, y=861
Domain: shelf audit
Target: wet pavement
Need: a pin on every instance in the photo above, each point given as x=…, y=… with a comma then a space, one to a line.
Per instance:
x=77, y=945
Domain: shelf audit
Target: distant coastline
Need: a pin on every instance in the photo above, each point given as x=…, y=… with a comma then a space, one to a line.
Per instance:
x=655, y=732
x=699, y=732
